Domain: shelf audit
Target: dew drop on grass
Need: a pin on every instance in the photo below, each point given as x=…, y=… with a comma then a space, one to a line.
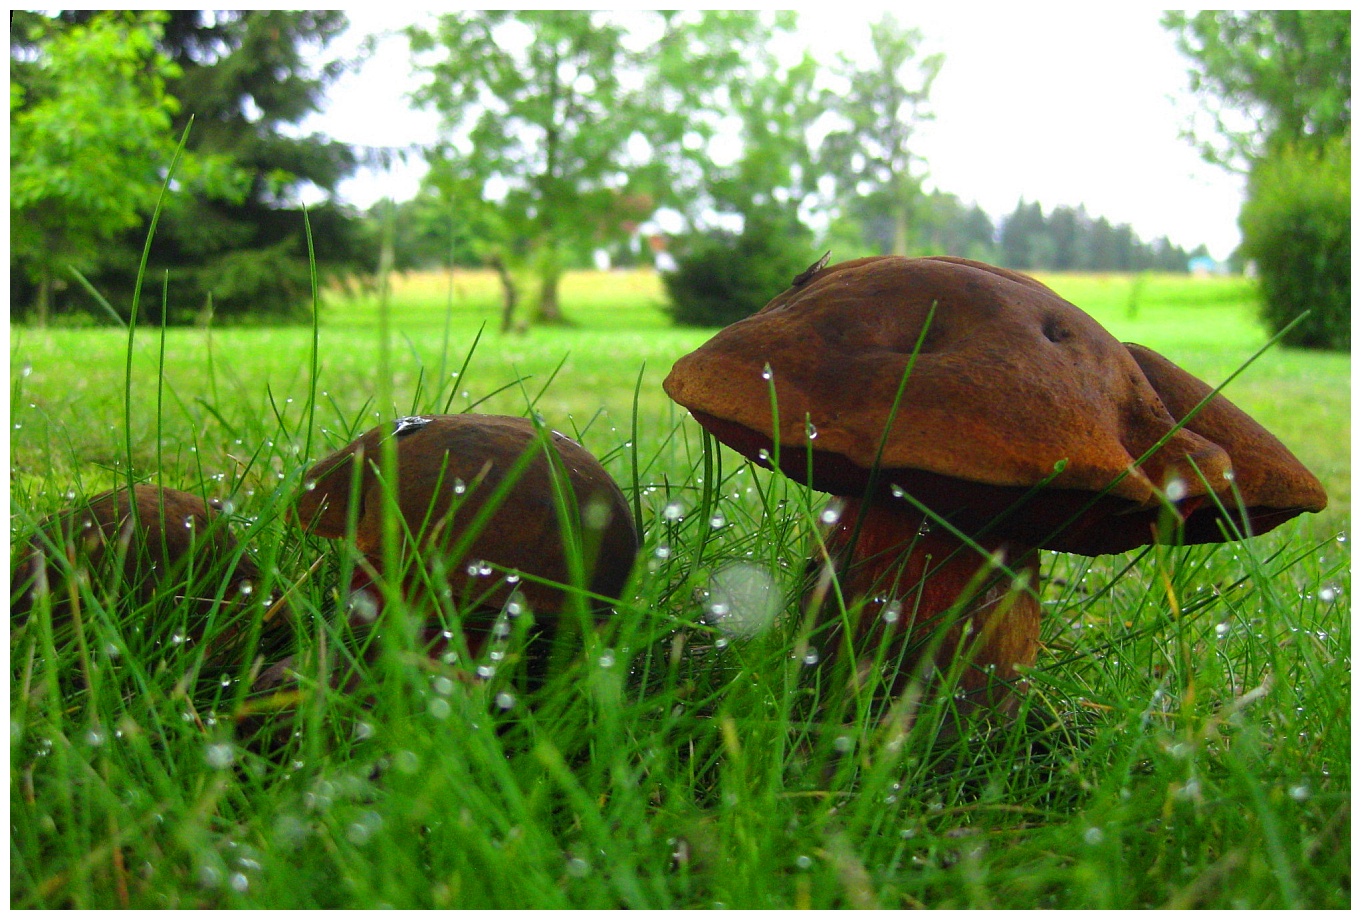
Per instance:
x=662, y=551
x=766, y=373
x=1327, y=594
x=442, y=685
x=1093, y=835
x=439, y=707
x=363, y=731
x=505, y=700
x=673, y=511
x=209, y=876
x=843, y=743
x=460, y=487
x=803, y=862
x=1299, y=793
x=606, y=659
x=718, y=520
x=1222, y=630
x=486, y=671
x=95, y=737
x=239, y=882
x=811, y=656
x=831, y=514
x=220, y=755
x=578, y=867
x=893, y=611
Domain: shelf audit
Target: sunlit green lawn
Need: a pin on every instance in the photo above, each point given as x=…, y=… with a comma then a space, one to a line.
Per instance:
x=1187, y=741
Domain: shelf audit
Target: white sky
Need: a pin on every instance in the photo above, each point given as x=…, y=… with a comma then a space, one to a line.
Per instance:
x=1057, y=104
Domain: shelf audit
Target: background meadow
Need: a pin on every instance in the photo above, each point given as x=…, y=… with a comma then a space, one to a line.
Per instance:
x=1186, y=741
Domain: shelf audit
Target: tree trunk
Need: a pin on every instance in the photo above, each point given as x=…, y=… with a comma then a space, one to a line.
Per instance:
x=44, y=302
x=509, y=294
x=901, y=222
x=550, y=273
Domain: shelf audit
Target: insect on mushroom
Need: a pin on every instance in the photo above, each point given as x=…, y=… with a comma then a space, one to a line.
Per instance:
x=966, y=417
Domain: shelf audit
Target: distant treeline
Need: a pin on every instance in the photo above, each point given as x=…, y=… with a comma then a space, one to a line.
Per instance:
x=1065, y=239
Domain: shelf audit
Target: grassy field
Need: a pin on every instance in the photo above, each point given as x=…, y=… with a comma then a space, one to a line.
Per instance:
x=1186, y=741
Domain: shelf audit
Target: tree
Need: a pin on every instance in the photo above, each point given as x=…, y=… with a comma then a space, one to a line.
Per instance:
x=233, y=232
x=1297, y=227
x=535, y=98
x=870, y=152
x=90, y=128
x=1267, y=79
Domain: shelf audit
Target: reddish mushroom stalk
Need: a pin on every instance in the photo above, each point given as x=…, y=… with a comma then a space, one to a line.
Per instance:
x=907, y=577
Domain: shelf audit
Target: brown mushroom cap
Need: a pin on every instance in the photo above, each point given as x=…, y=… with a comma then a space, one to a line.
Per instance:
x=1010, y=384
x=171, y=532
x=1272, y=482
x=454, y=463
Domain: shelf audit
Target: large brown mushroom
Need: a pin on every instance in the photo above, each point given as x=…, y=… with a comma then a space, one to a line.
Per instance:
x=448, y=468
x=164, y=540
x=941, y=398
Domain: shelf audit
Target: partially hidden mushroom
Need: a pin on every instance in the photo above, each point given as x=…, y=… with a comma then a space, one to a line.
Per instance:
x=164, y=542
x=966, y=417
x=456, y=559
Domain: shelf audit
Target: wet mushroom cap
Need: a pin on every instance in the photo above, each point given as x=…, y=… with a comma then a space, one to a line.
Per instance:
x=1273, y=484
x=448, y=467
x=171, y=532
x=1011, y=389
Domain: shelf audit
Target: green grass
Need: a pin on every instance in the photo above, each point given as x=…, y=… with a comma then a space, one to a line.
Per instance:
x=1186, y=740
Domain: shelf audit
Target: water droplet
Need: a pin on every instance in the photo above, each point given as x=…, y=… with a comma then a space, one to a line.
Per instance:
x=439, y=707
x=239, y=882
x=662, y=551
x=442, y=685
x=718, y=520
x=363, y=731
x=1327, y=594
x=486, y=671
x=578, y=867
x=505, y=700
x=1175, y=490
x=460, y=487
x=811, y=657
x=831, y=514
x=1299, y=793
x=209, y=876
x=803, y=862
x=1093, y=835
x=95, y=737
x=810, y=429
x=892, y=611
x=220, y=755
x=673, y=511
x=606, y=659
x=1222, y=630
x=843, y=743
x=766, y=373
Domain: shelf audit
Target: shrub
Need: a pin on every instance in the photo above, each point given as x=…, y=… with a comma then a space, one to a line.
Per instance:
x=723, y=277
x=1297, y=225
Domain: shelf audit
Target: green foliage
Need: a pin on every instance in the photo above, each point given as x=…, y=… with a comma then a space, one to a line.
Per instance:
x=1297, y=227
x=553, y=126
x=234, y=230
x=869, y=153
x=90, y=126
x=1267, y=79
x=721, y=277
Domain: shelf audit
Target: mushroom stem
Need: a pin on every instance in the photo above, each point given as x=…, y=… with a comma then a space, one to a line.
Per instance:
x=905, y=577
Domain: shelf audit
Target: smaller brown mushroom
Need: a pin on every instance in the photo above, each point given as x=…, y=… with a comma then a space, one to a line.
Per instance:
x=164, y=540
x=448, y=468
x=967, y=417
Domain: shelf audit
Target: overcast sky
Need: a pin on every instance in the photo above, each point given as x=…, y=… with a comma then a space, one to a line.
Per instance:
x=1073, y=105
